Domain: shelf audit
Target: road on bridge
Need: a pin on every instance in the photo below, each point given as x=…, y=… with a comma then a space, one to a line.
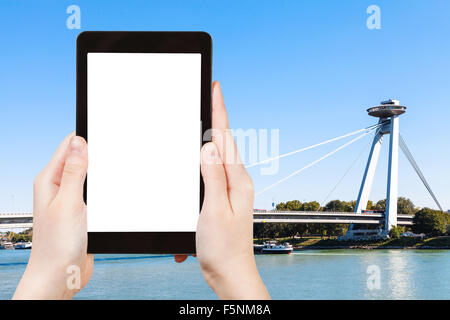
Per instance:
x=25, y=220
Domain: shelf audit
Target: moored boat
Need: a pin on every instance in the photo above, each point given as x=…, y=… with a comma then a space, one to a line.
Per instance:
x=23, y=245
x=272, y=247
x=6, y=245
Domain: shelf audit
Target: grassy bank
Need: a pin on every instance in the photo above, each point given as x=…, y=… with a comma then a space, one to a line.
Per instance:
x=333, y=243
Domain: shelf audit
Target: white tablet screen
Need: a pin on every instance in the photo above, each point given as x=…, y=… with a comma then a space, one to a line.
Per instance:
x=144, y=142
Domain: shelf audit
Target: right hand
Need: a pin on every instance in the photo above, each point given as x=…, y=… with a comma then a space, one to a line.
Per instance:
x=224, y=237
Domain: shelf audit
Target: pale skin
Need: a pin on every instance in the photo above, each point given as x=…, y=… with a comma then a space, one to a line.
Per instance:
x=224, y=231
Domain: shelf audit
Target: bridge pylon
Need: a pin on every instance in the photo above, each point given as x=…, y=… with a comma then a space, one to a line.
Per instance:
x=388, y=113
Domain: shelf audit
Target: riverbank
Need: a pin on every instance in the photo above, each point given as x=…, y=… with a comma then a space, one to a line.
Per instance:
x=317, y=243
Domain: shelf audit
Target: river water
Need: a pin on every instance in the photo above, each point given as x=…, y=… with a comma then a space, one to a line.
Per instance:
x=309, y=274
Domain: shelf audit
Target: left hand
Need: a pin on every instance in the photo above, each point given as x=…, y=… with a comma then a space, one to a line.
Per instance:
x=59, y=265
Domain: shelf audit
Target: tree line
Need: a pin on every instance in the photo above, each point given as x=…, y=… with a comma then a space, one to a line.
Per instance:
x=428, y=221
x=24, y=236
x=404, y=206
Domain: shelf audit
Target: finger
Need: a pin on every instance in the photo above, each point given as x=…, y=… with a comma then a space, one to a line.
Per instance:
x=74, y=171
x=48, y=180
x=219, y=116
x=179, y=258
x=56, y=164
x=221, y=135
x=240, y=186
x=220, y=123
x=214, y=177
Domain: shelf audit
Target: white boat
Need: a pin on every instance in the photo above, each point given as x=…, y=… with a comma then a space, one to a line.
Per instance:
x=23, y=245
x=272, y=247
x=6, y=245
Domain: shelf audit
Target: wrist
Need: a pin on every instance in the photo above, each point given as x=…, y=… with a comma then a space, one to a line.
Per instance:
x=43, y=284
x=242, y=283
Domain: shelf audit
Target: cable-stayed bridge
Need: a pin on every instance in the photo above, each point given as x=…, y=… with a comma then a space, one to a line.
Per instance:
x=388, y=113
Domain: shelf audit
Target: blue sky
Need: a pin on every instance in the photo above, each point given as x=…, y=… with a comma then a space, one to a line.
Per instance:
x=307, y=68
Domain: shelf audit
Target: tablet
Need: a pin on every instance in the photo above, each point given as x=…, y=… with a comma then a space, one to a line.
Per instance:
x=143, y=106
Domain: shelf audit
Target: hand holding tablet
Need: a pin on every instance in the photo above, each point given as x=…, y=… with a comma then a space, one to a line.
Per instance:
x=224, y=231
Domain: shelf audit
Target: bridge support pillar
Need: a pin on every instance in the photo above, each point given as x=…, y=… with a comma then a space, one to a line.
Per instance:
x=369, y=173
x=389, y=125
x=392, y=182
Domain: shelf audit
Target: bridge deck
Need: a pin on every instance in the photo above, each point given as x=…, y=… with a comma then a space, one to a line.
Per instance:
x=326, y=217
x=25, y=220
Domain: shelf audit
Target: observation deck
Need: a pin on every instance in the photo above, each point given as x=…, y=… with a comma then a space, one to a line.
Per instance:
x=387, y=109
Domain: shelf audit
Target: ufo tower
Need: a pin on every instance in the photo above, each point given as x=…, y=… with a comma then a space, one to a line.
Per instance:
x=388, y=113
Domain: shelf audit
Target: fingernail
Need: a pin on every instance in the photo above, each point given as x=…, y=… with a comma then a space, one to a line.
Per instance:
x=210, y=155
x=76, y=144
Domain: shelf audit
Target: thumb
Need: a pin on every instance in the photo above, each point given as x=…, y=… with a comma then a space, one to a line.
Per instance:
x=75, y=167
x=213, y=172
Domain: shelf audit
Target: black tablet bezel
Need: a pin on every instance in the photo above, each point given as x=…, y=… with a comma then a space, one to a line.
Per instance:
x=143, y=42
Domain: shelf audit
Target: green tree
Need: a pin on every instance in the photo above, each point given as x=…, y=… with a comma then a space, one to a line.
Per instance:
x=286, y=230
x=310, y=206
x=296, y=205
x=396, y=232
x=334, y=229
x=380, y=205
x=270, y=230
x=352, y=205
x=10, y=235
x=430, y=222
x=281, y=206
x=404, y=206
x=301, y=229
x=339, y=206
x=293, y=205
x=315, y=228
x=276, y=230
x=23, y=236
x=447, y=218
x=258, y=230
